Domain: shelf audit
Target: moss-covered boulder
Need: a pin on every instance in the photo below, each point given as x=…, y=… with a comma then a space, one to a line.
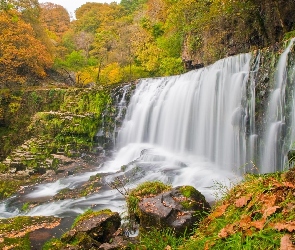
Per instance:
x=180, y=209
x=93, y=230
x=100, y=226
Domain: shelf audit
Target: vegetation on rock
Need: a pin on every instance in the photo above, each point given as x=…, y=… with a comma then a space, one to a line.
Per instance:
x=257, y=213
x=15, y=231
x=146, y=189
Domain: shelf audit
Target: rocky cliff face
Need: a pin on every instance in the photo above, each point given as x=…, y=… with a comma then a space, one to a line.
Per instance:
x=238, y=28
x=39, y=126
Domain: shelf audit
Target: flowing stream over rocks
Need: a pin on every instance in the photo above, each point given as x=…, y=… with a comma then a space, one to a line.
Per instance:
x=197, y=129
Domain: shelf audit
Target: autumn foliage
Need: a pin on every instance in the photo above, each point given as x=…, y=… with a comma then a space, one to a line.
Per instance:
x=22, y=54
x=255, y=214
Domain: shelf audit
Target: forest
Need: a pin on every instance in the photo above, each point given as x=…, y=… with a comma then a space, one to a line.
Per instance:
x=121, y=42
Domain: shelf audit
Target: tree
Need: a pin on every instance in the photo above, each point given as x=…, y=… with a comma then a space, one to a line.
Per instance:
x=55, y=18
x=22, y=55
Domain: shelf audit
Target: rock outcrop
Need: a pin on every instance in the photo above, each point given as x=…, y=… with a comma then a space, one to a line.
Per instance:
x=99, y=230
x=180, y=209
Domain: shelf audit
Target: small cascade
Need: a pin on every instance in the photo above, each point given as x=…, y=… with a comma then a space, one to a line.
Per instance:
x=273, y=155
x=251, y=130
x=121, y=106
x=113, y=117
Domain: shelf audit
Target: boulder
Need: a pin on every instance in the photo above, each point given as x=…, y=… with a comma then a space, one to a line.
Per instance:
x=99, y=227
x=180, y=209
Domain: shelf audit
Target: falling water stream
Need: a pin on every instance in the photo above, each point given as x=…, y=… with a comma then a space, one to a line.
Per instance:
x=189, y=129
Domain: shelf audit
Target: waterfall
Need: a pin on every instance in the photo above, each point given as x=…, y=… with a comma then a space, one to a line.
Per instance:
x=200, y=113
x=274, y=151
x=203, y=128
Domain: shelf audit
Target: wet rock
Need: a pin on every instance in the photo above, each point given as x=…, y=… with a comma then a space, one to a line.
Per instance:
x=116, y=244
x=179, y=209
x=100, y=227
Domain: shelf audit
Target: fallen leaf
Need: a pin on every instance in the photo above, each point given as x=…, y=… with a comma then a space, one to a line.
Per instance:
x=288, y=208
x=242, y=201
x=226, y=231
x=286, y=243
x=269, y=211
x=209, y=245
x=248, y=232
x=288, y=184
x=268, y=200
x=245, y=222
x=218, y=211
x=259, y=224
x=167, y=248
x=290, y=226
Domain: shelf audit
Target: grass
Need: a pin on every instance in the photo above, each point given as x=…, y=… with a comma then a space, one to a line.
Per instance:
x=158, y=239
x=258, y=213
x=254, y=214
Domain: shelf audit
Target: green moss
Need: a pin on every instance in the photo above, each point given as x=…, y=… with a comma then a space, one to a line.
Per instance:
x=89, y=214
x=15, y=231
x=53, y=244
x=19, y=243
x=10, y=186
x=68, y=121
x=192, y=196
x=188, y=191
x=146, y=189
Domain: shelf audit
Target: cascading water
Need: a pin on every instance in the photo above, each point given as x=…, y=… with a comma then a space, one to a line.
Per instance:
x=188, y=129
x=200, y=113
x=193, y=129
x=274, y=151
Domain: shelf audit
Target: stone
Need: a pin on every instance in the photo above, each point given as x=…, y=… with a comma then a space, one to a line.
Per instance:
x=116, y=244
x=180, y=209
x=99, y=227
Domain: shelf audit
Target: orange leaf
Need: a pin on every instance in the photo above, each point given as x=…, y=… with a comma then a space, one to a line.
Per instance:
x=218, y=212
x=242, y=201
x=226, y=231
x=290, y=226
x=286, y=243
x=259, y=224
x=268, y=200
x=288, y=184
x=269, y=211
x=245, y=222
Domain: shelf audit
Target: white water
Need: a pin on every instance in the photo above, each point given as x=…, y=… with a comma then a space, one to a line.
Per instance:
x=183, y=130
x=188, y=129
x=273, y=157
x=201, y=113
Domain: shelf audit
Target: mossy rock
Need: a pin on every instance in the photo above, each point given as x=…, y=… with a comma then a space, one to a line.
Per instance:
x=99, y=225
x=195, y=200
x=181, y=209
x=143, y=190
